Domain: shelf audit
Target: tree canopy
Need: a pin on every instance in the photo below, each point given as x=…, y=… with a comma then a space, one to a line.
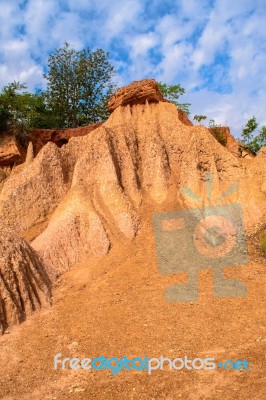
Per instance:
x=199, y=118
x=253, y=143
x=248, y=129
x=79, y=85
x=172, y=93
x=20, y=110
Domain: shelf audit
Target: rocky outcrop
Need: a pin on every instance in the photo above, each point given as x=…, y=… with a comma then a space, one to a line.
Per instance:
x=24, y=284
x=97, y=186
x=10, y=152
x=13, y=154
x=59, y=136
x=137, y=92
x=140, y=92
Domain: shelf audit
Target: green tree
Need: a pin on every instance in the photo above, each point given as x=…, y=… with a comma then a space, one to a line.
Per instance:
x=20, y=111
x=258, y=141
x=261, y=138
x=172, y=93
x=4, y=117
x=249, y=128
x=79, y=85
x=8, y=105
x=199, y=118
x=13, y=110
x=39, y=114
x=251, y=142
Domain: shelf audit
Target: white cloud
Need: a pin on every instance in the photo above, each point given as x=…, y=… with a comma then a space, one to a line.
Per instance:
x=175, y=42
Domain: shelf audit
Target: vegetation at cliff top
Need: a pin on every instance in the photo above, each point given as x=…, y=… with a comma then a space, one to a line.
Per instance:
x=217, y=132
x=80, y=83
x=199, y=118
x=172, y=93
x=251, y=142
x=20, y=111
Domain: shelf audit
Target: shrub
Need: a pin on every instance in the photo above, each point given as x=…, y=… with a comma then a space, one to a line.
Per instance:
x=217, y=132
x=219, y=136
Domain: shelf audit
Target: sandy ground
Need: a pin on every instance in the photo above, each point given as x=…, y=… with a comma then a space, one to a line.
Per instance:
x=114, y=307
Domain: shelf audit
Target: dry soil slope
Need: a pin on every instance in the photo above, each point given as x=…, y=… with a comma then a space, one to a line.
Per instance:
x=143, y=155
x=96, y=186
x=24, y=283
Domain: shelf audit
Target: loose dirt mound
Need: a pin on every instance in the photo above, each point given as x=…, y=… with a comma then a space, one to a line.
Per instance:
x=24, y=284
x=114, y=307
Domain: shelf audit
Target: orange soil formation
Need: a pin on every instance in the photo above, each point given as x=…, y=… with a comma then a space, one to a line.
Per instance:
x=87, y=210
x=24, y=284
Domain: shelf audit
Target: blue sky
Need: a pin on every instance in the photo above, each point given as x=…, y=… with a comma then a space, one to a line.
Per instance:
x=216, y=49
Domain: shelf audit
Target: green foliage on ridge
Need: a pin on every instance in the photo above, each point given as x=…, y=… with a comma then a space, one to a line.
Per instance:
x=20, y=111
x=172, y=93
x=217, y=132
x=251, y=142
